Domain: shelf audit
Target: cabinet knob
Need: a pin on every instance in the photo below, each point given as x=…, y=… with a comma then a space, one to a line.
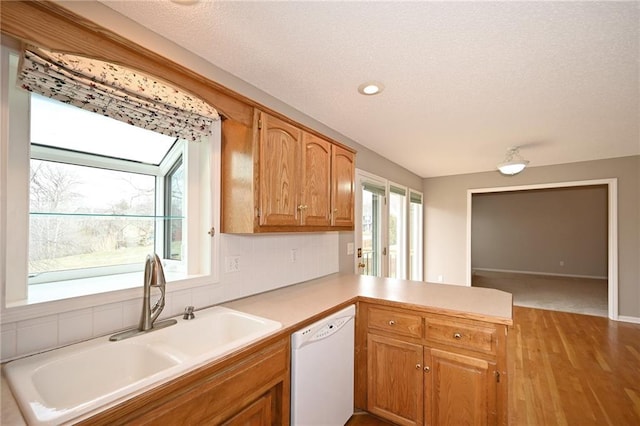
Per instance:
x=418, y=366
x=392, y=322
x=426, y=368
x=457, y=336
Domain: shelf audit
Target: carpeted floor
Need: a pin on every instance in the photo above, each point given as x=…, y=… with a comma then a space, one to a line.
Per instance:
x=567, y=294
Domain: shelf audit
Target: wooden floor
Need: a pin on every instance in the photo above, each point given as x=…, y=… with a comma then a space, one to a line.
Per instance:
x=568, y=369
x=572, y=369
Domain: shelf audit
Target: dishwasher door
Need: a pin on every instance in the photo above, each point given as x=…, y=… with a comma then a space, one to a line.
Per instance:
x=322, y=356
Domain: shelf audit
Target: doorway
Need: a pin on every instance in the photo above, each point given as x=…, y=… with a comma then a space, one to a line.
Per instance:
x=611, y=242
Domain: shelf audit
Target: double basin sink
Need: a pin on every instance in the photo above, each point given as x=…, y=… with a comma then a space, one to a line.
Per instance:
x=64, y=384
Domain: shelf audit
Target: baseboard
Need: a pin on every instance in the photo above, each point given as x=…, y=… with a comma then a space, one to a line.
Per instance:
x=624, y=318
x=512, y=271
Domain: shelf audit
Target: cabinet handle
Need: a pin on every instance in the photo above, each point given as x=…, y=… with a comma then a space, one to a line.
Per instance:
x=418, y=366
x=302, y=207
x=457, y=336
x=392, y=322
x=426, y=368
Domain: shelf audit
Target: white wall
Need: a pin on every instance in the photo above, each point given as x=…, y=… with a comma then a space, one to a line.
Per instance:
x=446, y=221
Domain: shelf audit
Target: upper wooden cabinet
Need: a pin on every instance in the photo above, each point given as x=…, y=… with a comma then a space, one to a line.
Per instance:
x=316, y=170
x=279, y=172
x=343, y=167
x=277, y=177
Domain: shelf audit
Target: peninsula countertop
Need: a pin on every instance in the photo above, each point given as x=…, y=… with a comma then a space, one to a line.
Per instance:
x=300, y=303
x=297, y=303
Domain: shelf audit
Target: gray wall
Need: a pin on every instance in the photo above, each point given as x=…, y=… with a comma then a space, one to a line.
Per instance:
x=557, y=231
x=446, y=215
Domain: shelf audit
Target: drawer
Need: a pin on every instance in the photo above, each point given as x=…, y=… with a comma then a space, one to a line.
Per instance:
x=401, y=323
x=462, y=335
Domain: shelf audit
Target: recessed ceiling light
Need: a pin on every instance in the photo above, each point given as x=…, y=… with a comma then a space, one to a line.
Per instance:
x=370, y=88
x=186, y=2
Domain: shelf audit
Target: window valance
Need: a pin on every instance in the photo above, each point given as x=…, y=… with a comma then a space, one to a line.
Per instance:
x=117, y=92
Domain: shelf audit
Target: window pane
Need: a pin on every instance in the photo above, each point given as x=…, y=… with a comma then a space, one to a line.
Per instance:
x=174, y=211
x=372, y=203
x=59, y=125
x=415, y=237
x=397, y=232
x=84, y=217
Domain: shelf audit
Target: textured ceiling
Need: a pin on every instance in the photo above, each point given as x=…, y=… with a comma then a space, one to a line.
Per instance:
x=464, y=80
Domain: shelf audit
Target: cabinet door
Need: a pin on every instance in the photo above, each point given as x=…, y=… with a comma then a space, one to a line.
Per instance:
x=395, y=380
x=316, y=184
x=256, y=414
x=343, y=186
x=279, y=177
x=459, y=390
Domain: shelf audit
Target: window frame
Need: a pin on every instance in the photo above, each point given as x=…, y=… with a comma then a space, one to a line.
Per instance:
x=202, y=209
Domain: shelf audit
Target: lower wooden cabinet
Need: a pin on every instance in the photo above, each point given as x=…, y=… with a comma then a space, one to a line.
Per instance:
x=253, y=389
x=460, y=390
x=257, y=413
x=395, y=382
x=452, y=375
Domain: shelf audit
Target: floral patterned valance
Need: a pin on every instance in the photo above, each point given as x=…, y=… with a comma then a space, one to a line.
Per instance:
x=117, y=92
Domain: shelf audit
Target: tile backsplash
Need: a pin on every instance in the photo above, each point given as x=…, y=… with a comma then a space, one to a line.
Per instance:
x=265, y=262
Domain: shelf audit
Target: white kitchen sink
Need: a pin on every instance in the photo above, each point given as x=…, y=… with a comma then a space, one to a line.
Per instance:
x=210, y=333
x=64, y=384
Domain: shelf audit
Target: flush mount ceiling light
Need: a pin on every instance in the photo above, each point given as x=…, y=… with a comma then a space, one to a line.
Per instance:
x=513, y=162
x=370, y=88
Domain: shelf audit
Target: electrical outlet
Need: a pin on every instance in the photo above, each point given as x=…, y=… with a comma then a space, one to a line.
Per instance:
x=440, y=278
x=232, y=264
x=294, y=255
x=562, y=263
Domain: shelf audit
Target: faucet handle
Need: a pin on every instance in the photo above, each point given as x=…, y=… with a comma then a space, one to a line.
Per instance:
x=188, y=313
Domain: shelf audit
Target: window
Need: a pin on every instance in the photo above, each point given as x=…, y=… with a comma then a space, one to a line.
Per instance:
x=88, y=197
x=91, y=214
x=174, y=206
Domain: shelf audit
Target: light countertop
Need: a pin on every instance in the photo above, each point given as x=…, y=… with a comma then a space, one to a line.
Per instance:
x=294, y=304
x=298, y=303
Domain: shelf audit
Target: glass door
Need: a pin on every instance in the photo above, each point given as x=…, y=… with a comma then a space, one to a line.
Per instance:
x=415, y=235
x=371, y=252
x=388, y=230
x=397, y=232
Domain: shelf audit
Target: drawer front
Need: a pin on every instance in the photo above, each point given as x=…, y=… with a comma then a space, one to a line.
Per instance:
x=401, y=323
x=462, y=335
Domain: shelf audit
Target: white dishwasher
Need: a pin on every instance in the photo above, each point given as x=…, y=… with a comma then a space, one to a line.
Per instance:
x=322, y=371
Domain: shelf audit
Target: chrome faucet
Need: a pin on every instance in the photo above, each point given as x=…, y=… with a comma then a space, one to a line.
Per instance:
x=153, y=278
